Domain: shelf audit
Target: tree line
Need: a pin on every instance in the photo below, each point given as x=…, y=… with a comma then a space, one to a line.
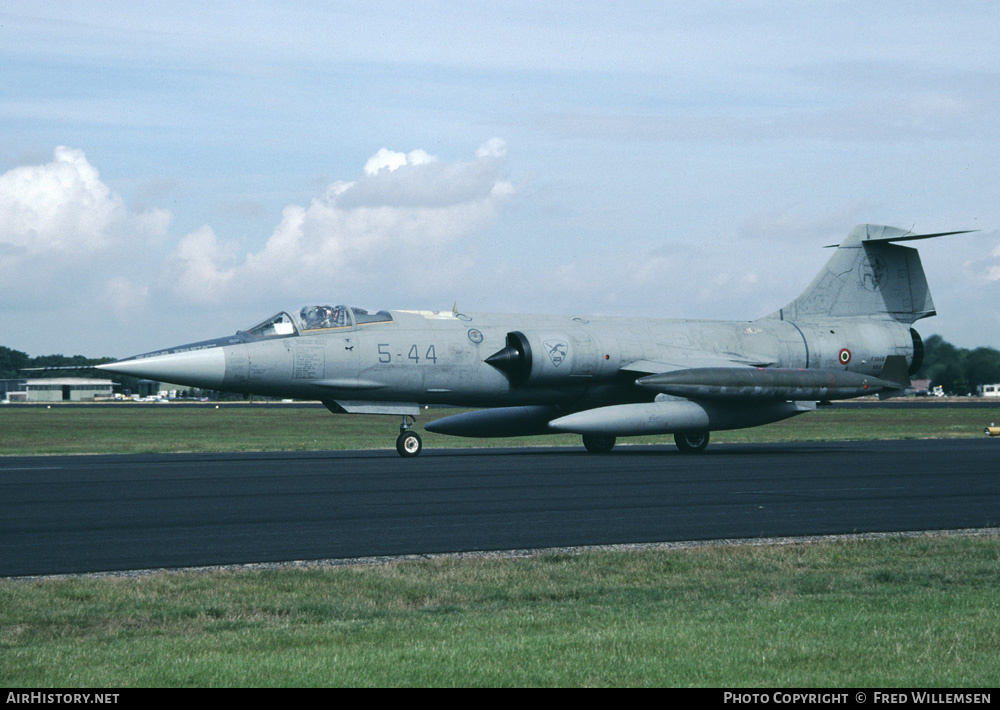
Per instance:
x=13, y=362
x=958, y=371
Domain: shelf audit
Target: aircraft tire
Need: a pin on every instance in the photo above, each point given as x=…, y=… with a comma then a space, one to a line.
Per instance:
x=408, y=444
x=692, y=442
x=598, y=443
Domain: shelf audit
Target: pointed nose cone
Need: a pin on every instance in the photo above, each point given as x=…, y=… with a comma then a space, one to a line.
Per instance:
x=204, y=368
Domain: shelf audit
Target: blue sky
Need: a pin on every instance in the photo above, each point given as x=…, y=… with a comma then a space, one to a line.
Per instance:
x=171, y=172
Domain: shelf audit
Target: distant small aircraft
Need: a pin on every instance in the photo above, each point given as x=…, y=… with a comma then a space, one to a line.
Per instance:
x=847, y=335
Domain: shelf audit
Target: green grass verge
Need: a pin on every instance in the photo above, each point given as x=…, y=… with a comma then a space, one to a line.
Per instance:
x=869, y=613
x=236, y=427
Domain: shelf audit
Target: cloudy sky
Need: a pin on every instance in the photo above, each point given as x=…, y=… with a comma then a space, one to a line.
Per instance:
x=171, y=172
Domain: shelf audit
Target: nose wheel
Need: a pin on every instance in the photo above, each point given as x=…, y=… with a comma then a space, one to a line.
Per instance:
x=408, y=443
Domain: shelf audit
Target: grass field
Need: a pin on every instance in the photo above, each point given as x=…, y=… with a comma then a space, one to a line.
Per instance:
x=920, y=612
x=889, y=612
x=238, y=427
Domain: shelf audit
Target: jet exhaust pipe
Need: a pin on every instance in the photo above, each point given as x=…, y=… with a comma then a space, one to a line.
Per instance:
x=918, y=353
x=765, y=383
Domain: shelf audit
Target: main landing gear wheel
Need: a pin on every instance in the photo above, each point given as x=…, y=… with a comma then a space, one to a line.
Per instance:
x=598, y=443
x=408, y=443
x=692, y=442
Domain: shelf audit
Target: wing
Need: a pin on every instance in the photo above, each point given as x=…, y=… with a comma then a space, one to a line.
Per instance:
x=654, y=367
x=764, y=383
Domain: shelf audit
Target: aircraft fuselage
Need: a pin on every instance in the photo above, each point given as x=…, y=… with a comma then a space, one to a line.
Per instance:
x=573, y=362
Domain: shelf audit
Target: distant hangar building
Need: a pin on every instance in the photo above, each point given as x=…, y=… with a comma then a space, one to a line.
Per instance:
x=67, y=389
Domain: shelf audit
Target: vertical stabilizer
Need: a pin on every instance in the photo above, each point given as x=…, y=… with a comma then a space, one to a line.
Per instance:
x=868, y=275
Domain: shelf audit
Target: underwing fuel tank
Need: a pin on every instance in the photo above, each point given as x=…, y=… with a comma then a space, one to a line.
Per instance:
x=765, y=383
x=505, y=421
x=669, y=416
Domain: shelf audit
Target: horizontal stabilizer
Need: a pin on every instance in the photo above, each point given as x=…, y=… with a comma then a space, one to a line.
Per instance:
x=881, y=233
x=764, y=384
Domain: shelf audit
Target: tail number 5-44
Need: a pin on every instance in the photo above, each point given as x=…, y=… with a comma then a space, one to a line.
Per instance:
x=385, y=354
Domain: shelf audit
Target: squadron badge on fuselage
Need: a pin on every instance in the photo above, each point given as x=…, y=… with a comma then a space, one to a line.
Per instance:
x=557, y=350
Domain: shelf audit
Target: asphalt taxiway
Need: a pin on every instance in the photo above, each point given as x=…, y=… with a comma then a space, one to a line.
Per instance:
x=72, y=514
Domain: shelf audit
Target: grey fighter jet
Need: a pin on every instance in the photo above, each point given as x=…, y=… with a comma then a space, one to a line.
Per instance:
x=848, y=335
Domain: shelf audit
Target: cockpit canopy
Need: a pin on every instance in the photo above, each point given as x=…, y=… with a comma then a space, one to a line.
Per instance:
x=311, y=318
x=321, y=317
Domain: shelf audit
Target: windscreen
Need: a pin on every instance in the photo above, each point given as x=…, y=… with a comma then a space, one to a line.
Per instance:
x=276, y=326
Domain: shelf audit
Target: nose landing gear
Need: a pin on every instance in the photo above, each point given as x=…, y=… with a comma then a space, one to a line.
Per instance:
x=408, y=443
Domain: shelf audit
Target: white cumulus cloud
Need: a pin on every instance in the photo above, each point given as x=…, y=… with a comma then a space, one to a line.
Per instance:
x=395, y=227
x=61, y=228
x=63, y=207
x=391, y=160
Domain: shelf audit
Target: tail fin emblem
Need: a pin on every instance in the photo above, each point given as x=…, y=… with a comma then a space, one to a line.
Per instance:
x=874, y=273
